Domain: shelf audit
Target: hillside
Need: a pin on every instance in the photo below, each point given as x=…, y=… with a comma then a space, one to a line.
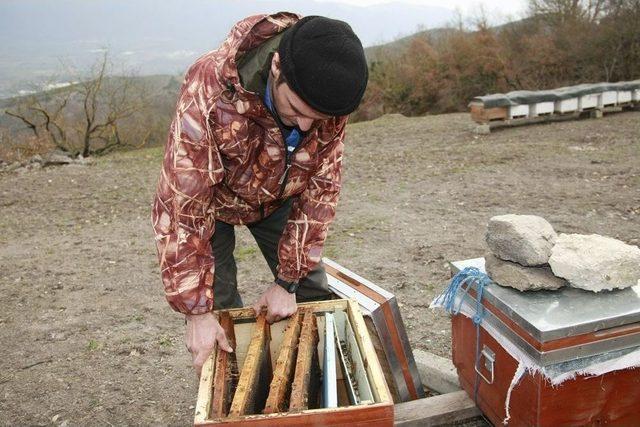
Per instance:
x=433, y=36
x=83, y=315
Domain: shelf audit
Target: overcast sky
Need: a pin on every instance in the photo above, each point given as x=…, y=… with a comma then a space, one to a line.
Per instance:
x=499, y=9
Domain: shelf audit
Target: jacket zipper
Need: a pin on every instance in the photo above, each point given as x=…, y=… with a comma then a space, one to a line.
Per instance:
x=287, y=164
x=287, y=157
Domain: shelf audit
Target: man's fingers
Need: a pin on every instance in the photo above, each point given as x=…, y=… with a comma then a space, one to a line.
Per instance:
x=223, y=342
x=258, y=306
x=199, y=359
x=272, y=317
x=276, y=315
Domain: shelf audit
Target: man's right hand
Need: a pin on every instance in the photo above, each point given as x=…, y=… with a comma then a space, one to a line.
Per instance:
x=203, y=333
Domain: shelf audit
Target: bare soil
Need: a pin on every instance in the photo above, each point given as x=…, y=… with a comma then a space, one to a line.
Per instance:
x=87, y=338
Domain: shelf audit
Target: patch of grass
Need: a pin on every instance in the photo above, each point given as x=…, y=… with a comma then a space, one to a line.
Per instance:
x=330, y=250
x=245, y=252
x=138, y=318
x=93, y=345
x=165, y=341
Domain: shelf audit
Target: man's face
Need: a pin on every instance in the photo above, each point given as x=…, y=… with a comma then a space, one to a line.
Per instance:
x=292, y=110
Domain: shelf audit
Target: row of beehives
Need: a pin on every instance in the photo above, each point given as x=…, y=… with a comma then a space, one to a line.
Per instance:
x=566, y=100
x=312, y=361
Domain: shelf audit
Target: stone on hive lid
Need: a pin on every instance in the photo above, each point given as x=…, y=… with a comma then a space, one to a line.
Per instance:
x=513, y=275
x=595, y=262
x=525, y=239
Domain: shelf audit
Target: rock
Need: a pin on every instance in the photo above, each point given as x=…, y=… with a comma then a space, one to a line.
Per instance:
x=56, y=157
x=595, y=262
x=84, y=160
x=482, y=129
x=34, y=165
x=513, y=275
x=36, y=159
x=525, y=239
x=13, y=166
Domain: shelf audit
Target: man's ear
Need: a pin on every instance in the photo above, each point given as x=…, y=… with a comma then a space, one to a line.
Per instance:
x=275, y=65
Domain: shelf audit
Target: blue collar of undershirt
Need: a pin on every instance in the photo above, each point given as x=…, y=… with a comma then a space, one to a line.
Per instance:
x=292, y=135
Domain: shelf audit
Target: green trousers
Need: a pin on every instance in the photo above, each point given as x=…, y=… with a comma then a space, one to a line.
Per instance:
x=267, y=233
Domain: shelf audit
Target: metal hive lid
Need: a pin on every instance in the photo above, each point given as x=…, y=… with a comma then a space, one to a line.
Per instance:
x=549, y=315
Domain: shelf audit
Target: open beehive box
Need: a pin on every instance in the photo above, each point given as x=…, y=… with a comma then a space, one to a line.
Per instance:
x=316, y=368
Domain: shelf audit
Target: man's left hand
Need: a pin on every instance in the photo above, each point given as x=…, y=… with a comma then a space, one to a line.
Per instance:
x=277, y=303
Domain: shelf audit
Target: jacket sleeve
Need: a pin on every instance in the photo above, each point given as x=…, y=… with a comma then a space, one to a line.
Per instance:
x=181, y=216
x=300, y=247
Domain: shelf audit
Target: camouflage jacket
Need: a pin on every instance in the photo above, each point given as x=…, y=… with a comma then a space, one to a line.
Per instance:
x=225, y=160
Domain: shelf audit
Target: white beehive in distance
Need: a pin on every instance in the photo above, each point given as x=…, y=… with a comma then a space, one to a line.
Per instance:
x=518, y=111
x=541, y=108
x=608, y=98
x=568, y=105
x=624, y=96
x=589, y=101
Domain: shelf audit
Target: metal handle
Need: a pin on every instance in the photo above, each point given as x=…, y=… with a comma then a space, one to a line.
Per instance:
x=489, y=363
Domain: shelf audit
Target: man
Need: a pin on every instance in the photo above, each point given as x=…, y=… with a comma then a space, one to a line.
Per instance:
x=256, y=140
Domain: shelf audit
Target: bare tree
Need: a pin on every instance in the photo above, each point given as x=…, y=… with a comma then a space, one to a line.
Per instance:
x=561, y=11
x=44, y=117
x=86, y=117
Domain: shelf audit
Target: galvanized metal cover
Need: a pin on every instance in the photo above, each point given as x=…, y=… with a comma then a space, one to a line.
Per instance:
x=549, y=315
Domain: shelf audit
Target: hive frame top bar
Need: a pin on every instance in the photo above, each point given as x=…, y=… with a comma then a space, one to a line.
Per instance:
x=549, y=315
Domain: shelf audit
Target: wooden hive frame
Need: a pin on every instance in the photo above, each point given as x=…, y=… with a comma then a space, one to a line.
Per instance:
x=226, y=372
x=304, y=390
x=250, y=395
x=285, y=365
x=378, y=413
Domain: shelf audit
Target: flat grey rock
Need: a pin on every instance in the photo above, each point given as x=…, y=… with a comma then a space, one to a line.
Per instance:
x=595, y=263
x=525, y=239
x=513, y=275
x=56, y=157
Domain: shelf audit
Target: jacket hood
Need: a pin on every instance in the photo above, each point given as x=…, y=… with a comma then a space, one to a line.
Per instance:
x=248, y=34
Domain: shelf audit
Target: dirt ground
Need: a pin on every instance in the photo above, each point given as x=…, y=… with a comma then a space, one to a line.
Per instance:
x=87, y=338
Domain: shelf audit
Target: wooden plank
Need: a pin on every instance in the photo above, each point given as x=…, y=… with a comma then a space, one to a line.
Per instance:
x=304, y=391
x=378, y=415
x=255, y=377
x=316, y=307
x=226, y=372
x=437, y=410
x=376, y=377
x=382, y=358
x=204, y=391
x=283, y=373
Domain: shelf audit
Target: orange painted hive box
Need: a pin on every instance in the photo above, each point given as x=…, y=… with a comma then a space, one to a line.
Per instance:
x=550, y=358
x=318, y=367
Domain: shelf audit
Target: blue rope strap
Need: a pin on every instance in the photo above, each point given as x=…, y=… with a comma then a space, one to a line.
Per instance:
x=459, y=286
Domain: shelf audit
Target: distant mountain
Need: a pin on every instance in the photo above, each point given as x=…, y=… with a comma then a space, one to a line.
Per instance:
x=395, y=47
x=433, y=35
x=159, y=37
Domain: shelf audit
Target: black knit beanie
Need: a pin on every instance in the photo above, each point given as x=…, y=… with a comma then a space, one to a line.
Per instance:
x=323, y=62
